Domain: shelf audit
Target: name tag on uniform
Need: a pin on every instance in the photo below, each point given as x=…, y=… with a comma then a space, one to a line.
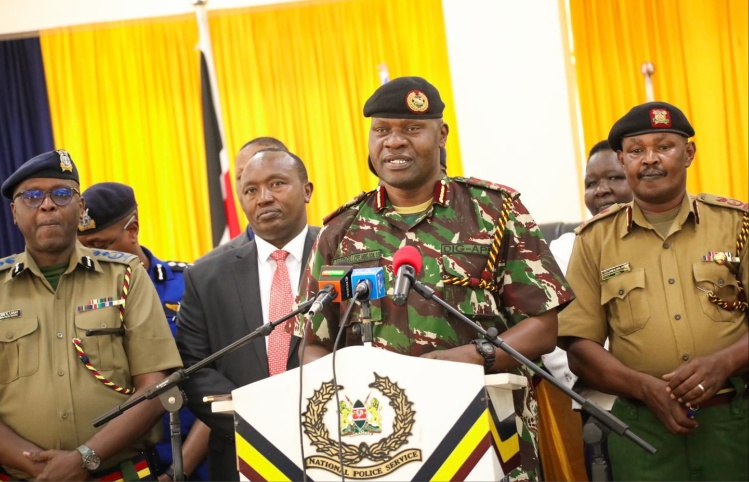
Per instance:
x=10, y=314
x=614, y=271
x=99, y=304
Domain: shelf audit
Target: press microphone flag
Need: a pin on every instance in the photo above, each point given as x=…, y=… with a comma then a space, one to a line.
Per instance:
x=339, y=277
x=407, y=264
x=368, y=283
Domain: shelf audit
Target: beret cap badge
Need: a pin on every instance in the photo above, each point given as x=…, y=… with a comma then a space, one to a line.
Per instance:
x=417, y=101
x=86, y=222
x=660, y=118
x=65, y=163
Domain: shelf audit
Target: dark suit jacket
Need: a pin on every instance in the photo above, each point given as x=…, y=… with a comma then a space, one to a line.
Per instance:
x=221, y=304
x=237, y=242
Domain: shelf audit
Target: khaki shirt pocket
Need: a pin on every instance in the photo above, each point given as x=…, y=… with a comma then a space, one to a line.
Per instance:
x=475, y=303
x=625, y=299
x=19, y=348
x=106, y=352
x=718, y=280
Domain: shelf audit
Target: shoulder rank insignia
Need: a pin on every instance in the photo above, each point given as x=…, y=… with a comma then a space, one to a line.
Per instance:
x=346, y=206
x=723, y=201
x=603, y=214
x=473, y=181
x=178, y=265
x=8, y=262
x=113, y=256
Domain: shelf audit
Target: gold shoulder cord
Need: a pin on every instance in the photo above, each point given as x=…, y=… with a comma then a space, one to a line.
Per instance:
x=486, y=281
x=741, y=304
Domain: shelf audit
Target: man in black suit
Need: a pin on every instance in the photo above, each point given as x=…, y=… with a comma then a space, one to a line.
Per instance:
x=228, y=295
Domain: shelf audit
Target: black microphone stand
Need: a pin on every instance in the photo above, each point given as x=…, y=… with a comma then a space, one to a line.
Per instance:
x=173, y=398
x=604, y=417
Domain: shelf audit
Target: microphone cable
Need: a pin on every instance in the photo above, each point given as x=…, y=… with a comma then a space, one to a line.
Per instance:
x=341, y=326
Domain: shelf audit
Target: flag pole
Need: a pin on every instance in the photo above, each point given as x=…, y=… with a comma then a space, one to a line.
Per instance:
x=205, y=46
x=648, y=69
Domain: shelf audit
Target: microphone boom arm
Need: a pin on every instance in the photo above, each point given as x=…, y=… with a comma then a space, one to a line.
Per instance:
x=603, y=416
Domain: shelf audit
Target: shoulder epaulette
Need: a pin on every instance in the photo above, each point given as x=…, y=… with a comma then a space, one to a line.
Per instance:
x=346, y=206
x=178, y=265
x=113, y=256
x=8, y=262
x=473, y=181
x=603, y=214
x=722, y=201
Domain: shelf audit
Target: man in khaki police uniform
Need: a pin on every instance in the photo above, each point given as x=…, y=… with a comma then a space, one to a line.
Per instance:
x=664, y=279
x=66, y=313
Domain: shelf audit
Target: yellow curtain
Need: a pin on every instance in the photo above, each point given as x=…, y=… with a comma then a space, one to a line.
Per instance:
x=700, y=49
x=125, y=100
x=302, y=73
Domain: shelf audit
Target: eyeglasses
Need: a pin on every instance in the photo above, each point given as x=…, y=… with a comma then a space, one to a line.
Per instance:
x=34, y=198
x=106, y=244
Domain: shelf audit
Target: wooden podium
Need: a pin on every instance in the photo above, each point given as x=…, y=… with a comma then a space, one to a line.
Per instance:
x=401, y=418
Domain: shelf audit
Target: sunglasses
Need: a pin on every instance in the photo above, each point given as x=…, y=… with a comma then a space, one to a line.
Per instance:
x=34, y=198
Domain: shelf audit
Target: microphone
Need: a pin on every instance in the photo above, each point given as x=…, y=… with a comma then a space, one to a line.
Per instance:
x=407, y=263
x=369, y=283
x=324, y=297
x=339, y=277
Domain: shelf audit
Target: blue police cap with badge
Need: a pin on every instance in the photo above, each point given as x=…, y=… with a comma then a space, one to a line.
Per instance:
x=53, y=164
x=106, y=203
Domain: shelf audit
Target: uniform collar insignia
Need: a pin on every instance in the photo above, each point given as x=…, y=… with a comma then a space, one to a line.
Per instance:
x=160, y=272
x=380, y=198
x=696, y=211
x=441, y=190
x=17, y=270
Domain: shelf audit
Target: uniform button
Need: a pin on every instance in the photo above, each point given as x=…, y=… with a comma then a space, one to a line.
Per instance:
x=59, y=296
x=9, y=335
x=64, y=415
x=671, y=281
x=621, y=292
x=678, y=317
x=685, y=357
x=665, y=245
x=60, y=335
x=61, y=372
x=103, y=325
x=721, y=282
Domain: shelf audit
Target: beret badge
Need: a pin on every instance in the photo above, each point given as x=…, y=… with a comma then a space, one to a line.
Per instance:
x=65, y=163
x=417, y=101
x=86, y=222
x=660, y=118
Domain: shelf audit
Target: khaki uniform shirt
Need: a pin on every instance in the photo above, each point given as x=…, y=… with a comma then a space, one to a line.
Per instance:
x=47, y=395
x=655, y=309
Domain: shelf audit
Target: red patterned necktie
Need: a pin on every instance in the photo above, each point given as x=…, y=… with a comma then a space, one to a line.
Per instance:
x=281, y=302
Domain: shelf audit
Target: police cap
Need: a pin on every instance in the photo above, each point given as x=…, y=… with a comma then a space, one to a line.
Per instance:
x=53, y=164
x=106, y=203
x=647, y=118
x=405, y=98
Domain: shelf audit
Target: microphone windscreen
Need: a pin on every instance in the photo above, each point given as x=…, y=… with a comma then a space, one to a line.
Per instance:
x=407, y=255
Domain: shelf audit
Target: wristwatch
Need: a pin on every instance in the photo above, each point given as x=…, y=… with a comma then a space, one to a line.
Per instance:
x=90, y=460
x=488, y=351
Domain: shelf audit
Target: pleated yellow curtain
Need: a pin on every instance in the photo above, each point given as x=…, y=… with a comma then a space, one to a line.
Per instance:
x=700, y=49
x=302, y=73
x=125, y=100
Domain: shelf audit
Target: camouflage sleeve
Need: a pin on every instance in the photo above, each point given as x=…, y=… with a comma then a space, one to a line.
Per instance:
x=530, y=280
x=321, y=255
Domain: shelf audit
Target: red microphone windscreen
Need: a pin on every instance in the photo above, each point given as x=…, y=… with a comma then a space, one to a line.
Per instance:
x=407, y=255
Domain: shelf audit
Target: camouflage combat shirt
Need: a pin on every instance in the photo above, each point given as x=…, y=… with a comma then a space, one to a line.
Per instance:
x=454, y=236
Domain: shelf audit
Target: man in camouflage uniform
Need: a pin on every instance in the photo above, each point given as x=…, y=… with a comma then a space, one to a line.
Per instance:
x=664, y=278
x=455, y=223
x=83, y=331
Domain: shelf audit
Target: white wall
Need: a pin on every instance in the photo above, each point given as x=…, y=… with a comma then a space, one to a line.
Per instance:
x=508, y=74
x=512, y=102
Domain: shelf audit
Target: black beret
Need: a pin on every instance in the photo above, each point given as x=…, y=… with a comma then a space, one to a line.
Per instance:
x=106, y=203
x=405, y=98
x=649, y=117
x=53, y=164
